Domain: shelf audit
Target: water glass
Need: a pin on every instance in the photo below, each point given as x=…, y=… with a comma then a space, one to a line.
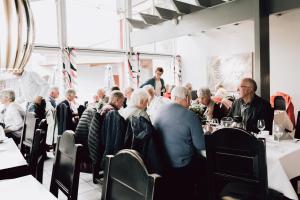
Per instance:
x=261, y=125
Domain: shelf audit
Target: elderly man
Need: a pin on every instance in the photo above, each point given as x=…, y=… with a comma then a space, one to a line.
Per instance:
x=97, y=134
x=70, y=123
x=182, y=138
x=128, y=92
x=53, y=96
x=12, y=115
x=251, y=107
x=137, y=105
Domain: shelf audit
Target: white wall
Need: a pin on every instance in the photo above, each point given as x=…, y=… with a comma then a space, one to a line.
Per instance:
x=231, y=39
x=196, y=49
x=285, y=55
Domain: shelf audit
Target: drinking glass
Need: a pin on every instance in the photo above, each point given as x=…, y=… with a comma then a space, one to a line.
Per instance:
x=214, y=122
x=261, y=125
x=226, y=122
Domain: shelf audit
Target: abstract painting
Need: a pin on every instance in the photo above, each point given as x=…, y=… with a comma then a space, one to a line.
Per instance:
x=229, y=70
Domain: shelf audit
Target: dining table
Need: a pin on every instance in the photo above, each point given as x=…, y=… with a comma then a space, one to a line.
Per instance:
x=283, y=165
x=25, y=188
x=12, y=162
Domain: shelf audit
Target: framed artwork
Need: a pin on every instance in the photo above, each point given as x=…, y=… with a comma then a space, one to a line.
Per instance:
x=229, y=70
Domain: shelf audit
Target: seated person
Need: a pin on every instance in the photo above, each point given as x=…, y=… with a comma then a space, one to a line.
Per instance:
x=12, y=115
x=38, y=107
x=71, y=113
x=213, y=109
x=251, y=107
x=182, y=139
x=282, y=120
x=154, y=102
x=127, y=93
x=137, y=105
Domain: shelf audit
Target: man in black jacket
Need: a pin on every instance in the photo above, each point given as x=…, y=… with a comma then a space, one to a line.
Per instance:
x=251, y=107
x=65, y=118
x=96, y=143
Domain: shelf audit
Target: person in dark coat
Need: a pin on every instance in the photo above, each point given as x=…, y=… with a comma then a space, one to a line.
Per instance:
x=251, y=107
x=38, y=108
x=142, y=137
x=157, y=82
x=96, y=143
x=65, y=113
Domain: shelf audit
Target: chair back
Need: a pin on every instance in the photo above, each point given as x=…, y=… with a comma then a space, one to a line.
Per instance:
x=126, y=178
x=30, y=125
x=236, y=156
x=65, y=174
x=80, y=109
x=36, y=157
x=279, y=103
x=61, y=116
x=297, y=128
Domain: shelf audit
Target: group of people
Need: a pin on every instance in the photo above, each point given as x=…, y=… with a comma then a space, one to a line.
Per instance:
x=179, y=129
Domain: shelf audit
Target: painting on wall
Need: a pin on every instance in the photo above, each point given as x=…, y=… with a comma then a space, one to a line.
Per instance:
x=229, y=70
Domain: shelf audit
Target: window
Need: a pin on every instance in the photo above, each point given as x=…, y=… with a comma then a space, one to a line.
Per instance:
x=45, y=19
x=94, y=24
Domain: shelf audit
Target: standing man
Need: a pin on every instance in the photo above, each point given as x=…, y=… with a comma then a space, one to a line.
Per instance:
x=157, y=82
x=251, y=107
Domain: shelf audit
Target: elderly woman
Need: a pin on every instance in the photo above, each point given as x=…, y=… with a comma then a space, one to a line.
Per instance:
x=137, y=105
x=213, y=109
x=11, y=116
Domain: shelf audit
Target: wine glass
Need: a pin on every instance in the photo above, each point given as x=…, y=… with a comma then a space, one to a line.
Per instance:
x=214, y=122
x=261, y=125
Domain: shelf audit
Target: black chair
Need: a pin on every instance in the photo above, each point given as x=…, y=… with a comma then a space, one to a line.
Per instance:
x=126, y=178
x=80, y=109
x=61, y=117
x=297, y=128
x=36, y=157
x=30, y=125
x=279, y=103
x=65, y=173
x=236, y=159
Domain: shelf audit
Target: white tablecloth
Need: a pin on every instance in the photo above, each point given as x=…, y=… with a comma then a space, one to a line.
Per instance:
x=25, y=188
x=10, y=155
x=283, y=164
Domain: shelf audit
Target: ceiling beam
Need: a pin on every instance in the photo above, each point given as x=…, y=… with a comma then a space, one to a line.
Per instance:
x=151, y=19
x=196, y=22
x=166, y=13
x=186, y=8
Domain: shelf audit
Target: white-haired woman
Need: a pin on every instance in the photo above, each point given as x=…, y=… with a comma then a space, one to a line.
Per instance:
x=137, y=105
x=213, y=109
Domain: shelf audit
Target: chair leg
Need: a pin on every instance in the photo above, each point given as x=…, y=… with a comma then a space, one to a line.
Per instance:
x=54, y=189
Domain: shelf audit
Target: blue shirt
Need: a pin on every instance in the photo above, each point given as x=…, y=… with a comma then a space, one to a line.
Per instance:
x=181, y=132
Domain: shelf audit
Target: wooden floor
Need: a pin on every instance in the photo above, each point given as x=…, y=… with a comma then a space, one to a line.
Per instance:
x=87, y=189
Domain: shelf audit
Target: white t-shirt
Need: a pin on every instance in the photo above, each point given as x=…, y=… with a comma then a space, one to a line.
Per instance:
x=158, y=87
